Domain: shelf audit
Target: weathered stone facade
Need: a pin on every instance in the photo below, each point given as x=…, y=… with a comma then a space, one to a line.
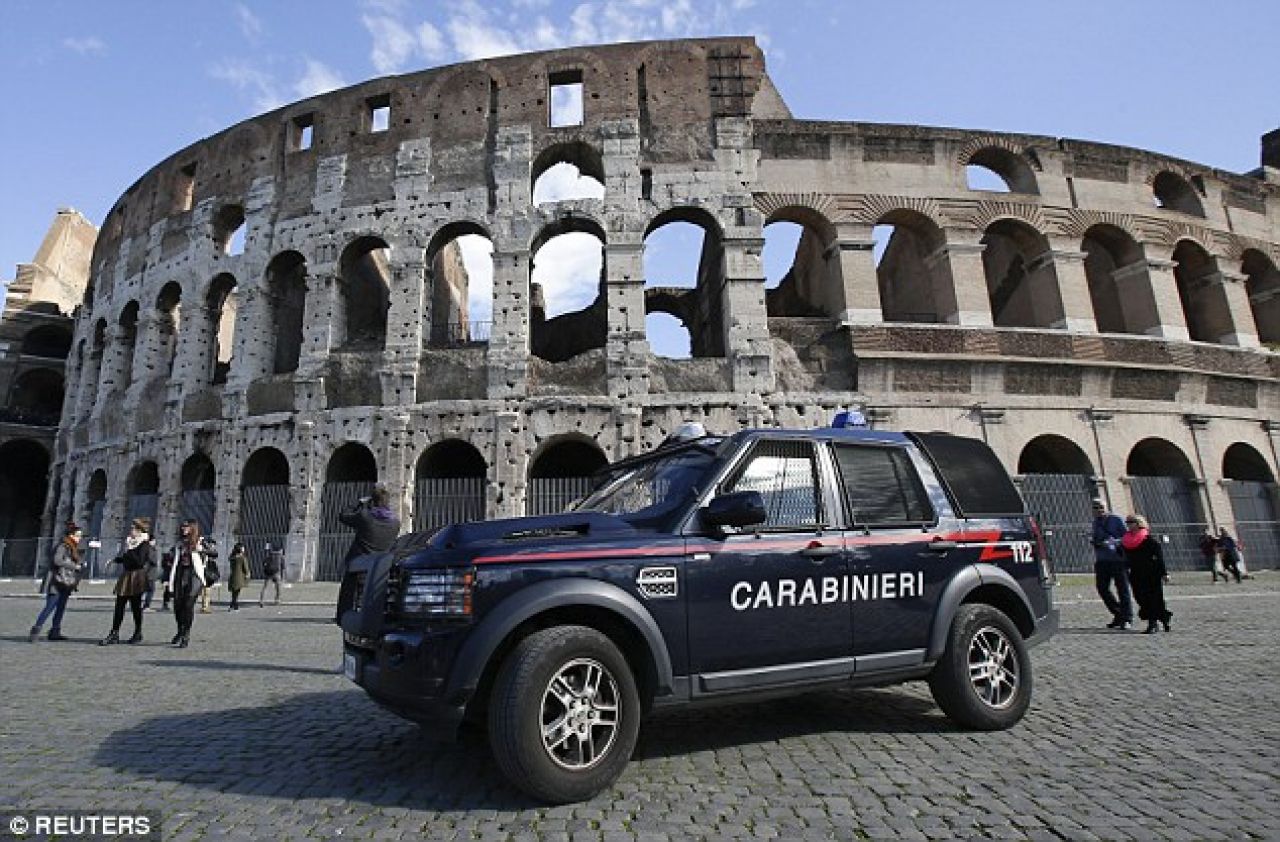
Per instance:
x=1112, y=302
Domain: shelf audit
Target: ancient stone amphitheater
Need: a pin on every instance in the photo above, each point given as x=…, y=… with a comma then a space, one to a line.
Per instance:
x=279, y=315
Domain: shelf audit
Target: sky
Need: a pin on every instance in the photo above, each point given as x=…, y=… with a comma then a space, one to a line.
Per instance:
x=96, y=93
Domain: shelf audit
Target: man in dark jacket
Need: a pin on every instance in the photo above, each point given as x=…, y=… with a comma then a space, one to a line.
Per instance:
x=1109, y=566
x=376, y=526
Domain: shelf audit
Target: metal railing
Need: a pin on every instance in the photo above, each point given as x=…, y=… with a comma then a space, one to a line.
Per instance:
x=457, y=334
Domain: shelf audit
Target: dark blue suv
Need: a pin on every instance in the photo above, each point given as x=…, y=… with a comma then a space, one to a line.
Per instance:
x=756, y=565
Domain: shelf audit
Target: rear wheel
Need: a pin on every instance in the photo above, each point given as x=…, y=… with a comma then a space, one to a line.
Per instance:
x=983, y=680
x=564, y=714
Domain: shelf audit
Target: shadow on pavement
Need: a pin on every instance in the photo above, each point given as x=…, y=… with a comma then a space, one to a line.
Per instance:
x=240, y=665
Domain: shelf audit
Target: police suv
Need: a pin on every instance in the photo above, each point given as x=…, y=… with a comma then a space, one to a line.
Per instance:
x=715, y=570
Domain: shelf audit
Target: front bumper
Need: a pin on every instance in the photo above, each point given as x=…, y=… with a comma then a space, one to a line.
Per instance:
x=401, y=671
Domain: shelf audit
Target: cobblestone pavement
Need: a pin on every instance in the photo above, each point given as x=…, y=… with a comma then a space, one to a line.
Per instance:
x=251, y=734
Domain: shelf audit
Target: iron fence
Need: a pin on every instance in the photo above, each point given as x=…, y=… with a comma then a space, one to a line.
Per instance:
x=335, y=539
x=264, y=522
x=1172, y=508
x=455, y=334
x=441, y=501
x=200, y=505
x=552, y=495
x=1061, y=504
x=1254, y=510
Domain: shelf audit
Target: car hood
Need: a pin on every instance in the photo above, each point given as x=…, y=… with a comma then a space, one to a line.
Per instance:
x=462, y=543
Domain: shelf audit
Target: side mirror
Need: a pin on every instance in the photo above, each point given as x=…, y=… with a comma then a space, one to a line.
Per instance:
x=741, y=508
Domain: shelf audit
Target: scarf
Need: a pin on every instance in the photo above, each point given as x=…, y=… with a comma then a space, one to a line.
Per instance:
x=1132, y=540
x=132, y=543
x=73, y=549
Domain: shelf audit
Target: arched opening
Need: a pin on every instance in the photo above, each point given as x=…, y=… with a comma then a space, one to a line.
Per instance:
x=1262, y=281
x=168, y=323
x=449, y=486
x=48, y=341
x=1119, y=283
x=24, y=473
x=1251, y=487
x=1021, y=280
x=144, y=494
x=36, y=398
x=1163, y=485
x=128, y=345
x=1051, y=454
x=199, y=499
x=998, y=170
x=915, y=286
x=229, y=230
x=561, y=473
x=96, y=501
x=351, y=474
x=684, y=275
x=568, y=171
x=1173, y=192
x=264, y=503
x=568, y=309
x=1057, y=483
x=221, y=305
x=366, y=293
x=92, y=373
x=286, y=294
x=1200, y=288
x=460, y=280
x=802, y=271
x=668, y=337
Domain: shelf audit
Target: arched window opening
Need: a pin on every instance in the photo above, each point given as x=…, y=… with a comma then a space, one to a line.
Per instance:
x=998, y=170
x=1119, y=283
x=568, y=310
x=1050, y=454
x=1021, y=281
x=802, y=275
x=36, y=397
x=912, y=277
x=222, y=307
x=144, y=494
x=1173, y=192
x=286, y=291
x=366, y=293
x=1243, y=462
x=199, y=499
x=449, y=486
x=229, y=230
x=1252, y=491
x=1161, y=481
x=668, y=336
x=264, y=505
x=48, y=341
x=96, y=498
x=561, y=473
x=1057, y=483
x=24, y=468
x=684, y=276
x=1201, y=290
x=460, y=280
x=168, y=324
x=128, y=344
x=1262, y=282
x=351, y=475
x=568, y=171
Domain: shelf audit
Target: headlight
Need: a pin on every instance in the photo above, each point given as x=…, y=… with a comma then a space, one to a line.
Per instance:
x=438, y=593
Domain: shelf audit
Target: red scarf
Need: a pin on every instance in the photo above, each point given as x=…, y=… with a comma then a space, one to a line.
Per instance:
x=1131, y=540
x=73, y=548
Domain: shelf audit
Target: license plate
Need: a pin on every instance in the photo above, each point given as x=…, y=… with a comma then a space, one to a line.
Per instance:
x=350, y=666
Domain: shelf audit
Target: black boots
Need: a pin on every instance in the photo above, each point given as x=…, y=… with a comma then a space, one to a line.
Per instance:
x=137, y=637
x=1151, y=627
x=176, y=638
x=109, y=639
x=183, y=641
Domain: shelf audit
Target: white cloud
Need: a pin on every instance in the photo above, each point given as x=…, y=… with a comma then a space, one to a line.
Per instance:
x=260, y=85
x=474, y=38
x=250, y=24
x=568, y=269
x=393, y=43
x=477, y=257
x=89, y=45
x=318, y=78
x=564, y=181
x=431, y=42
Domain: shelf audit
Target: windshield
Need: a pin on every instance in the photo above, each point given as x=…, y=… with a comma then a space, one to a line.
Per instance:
x=652, y=492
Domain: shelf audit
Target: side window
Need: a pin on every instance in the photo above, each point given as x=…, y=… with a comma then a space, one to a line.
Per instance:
x=881, y=486
x=786, y=475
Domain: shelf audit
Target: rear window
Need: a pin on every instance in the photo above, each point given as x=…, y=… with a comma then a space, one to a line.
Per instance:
x=978, y=483
x=881, y=486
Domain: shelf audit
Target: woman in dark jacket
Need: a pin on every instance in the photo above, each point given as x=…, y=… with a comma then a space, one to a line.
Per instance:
x=1147, y=572
x=136, y=562
x=186, y=579
x=59, y=581
x=239, y=575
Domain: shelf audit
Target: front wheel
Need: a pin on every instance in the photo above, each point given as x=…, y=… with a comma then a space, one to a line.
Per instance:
x=564, y=715
x=983, y=681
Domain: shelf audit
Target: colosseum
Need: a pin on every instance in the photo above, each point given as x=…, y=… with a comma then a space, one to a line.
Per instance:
x=280, y=315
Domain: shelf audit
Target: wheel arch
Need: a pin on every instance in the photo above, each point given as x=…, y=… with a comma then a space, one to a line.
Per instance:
x=979, y=584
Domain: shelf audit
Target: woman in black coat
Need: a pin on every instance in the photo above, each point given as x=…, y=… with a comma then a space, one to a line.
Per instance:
x=1147, y=572
x=136, y=562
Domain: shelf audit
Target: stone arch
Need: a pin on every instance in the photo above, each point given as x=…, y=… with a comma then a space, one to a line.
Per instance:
x=143, y=485
x=128, y=340
x=365, y=282
x=560, y=472
x=36, y=396
x=1057, y=481
x=449, y=485
x=814, y=284
x=1007, y=165
x=24, y=471
x=1022, y=283
x=1164, y=488
x=565, y=171
x=198, y=480
x=168, y=321
x=1242, y=461
x=1157, y=457
x=1201, y=291
x=1053, y=454
x=1262, y=282
x=285, y=291
x=461, y=295
x=914, y=283
x=49, y=341
x=1173, y=192
x=96, y=500
x=351, y=473
x=699, y=300
x=265, y=466
x=265, y=504
x=1119, y=281
x=228, y=230
x=221, y=307
x=579, y=323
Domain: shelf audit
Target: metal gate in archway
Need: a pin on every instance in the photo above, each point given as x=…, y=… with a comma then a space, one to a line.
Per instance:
x=1171, y=506
x=1061, y=505
x=1254, y=510
x=264, y=519
x=441, y=501
x=335, y=539
x=201, y=505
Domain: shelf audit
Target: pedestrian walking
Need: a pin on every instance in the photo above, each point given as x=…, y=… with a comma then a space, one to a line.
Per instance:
x=272, y=571
x=212, y=575
x=238, y=576
x=1147, y=572
x=1229, y=551
x=166, y=567
x=135, y=562
x=1109, y=566
x=59, y=581
x=376, y=529
x=1209, y=552
x=186, y=579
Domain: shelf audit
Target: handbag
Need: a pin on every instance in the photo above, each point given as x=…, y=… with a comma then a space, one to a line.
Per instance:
x=65, y=579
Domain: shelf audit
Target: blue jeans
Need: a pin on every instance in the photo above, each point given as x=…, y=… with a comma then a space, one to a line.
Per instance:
x=1104, y=573
x=54, y=603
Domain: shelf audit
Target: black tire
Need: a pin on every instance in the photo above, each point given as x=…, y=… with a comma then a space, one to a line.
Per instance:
x=983, y=681
x=525, y=704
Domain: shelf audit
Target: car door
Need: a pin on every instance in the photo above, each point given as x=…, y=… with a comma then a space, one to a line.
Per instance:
x=763, y=604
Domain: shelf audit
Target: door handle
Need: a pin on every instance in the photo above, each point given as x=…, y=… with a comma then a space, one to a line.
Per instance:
x=816, y=550
x=940, y=546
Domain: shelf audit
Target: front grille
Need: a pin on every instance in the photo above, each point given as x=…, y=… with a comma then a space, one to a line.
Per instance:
x=393, y=591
